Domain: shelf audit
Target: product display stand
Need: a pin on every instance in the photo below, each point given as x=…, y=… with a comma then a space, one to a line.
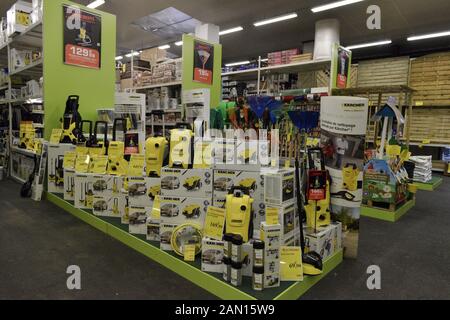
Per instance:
x=386, y=214
x=191, y=271
x=431, y=185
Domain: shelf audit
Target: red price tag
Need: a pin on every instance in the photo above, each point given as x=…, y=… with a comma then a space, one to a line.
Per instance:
x=80, y=56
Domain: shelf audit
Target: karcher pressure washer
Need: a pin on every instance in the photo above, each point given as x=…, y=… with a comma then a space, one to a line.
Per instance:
x=350, y=175
x=117, y=165
x=180, y=147
x=71, y=120
x=321, y=216
x=193, y=183
x=97, y=147
x=239, y=215
x=155, y=153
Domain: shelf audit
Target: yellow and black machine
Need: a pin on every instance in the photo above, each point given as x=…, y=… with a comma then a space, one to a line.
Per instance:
x=117, y=165
x=155, y=153
x=59, y=167
x=96, y=146
x=320, y=215
x=71, y=120
x=350, y=175
x=192, y=212
x=181, y=146
x=115, y=207
x=193, y=183
x=239, y=214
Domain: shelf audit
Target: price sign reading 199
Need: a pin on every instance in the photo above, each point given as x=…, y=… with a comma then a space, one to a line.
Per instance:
x=82, y=52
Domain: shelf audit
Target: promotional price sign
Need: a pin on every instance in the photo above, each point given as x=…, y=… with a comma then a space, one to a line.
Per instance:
x=203, y=62
x=82, y=38
x=317, y=185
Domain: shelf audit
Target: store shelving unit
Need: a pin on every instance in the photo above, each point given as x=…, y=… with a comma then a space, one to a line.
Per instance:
x=274, y=72
x=31, y=38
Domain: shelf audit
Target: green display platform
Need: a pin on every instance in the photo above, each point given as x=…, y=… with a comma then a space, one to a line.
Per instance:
x=386, y=215
x=191, y=271
x=430, y=186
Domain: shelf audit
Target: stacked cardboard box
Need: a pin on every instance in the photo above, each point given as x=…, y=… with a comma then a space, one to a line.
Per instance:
x=282, y=57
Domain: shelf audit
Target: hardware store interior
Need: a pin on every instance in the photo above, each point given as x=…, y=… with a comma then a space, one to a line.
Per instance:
x=259, y=150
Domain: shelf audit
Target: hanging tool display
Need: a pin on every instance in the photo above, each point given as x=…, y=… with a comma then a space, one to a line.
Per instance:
x=71, y=120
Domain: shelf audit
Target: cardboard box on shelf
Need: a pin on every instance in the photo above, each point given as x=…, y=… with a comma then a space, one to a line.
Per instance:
x=142, y=190
x=165, y=232
x=153, y=55
x=286, y=218
x=179, y=210
x=224, y=180
x=212, y=255
x=55, y=181
x=126, y=83
x=18, y=17
x=137, y=219
x=153, y=226
x=326, y=241
x=69, y=184
x=279, y=187
x=195, y=183
x=271, y=235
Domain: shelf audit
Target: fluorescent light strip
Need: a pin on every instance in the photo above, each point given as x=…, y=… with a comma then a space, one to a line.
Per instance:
x=96, y=4
x=164, y=47
x=334, y=5
x=224, y=32
x=129, y=55
x=430, y=36
x=265, y=60
x=240, y=63
x=366, y=45
x=119, y=58
x=179, y=43
x=276, y=19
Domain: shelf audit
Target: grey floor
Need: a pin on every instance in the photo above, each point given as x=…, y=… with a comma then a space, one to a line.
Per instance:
x=38, y=241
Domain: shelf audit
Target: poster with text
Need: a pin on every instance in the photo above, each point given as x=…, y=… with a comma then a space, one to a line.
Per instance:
x=82, y=38
x=343, y=126
x=203, y=62
x=340, y=67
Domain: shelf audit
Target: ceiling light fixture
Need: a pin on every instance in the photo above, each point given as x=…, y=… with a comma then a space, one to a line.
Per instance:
x=164, y=47
x=371, y=44
x=133, y=54
x=96, y=4
x=179, y=43
x=276, y=19
x=119, y=58
x=237, y=63
x=265, y=60
x=224, y=32
x=334, y=5
x=430, y=36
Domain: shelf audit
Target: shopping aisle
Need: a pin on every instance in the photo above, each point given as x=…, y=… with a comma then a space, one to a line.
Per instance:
x=39, y=240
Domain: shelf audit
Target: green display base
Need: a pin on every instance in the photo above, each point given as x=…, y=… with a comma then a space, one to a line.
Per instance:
x=192, y=271
x=386, y=215
x=430, y=186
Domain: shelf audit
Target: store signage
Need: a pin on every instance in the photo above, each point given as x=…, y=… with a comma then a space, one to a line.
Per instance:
x=82, y=38
x=317, y=185
x=340, y=66
x=203, y=62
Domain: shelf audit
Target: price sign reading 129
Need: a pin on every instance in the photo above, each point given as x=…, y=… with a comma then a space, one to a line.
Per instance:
x=77, y=55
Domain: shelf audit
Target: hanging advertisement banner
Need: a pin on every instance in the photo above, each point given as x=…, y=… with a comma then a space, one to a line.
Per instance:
x=203, y=62
x=82, y=38
x=340, y=67
x=343, y=131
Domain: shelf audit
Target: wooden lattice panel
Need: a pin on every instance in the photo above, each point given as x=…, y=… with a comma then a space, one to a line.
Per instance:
x=430, y=124
x=430, y=76
x=383, y=72
x=354, y=76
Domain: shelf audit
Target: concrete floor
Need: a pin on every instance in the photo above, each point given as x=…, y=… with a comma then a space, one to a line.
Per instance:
x=38, y=241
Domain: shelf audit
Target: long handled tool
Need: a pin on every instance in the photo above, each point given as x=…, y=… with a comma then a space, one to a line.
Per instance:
x=312, y=261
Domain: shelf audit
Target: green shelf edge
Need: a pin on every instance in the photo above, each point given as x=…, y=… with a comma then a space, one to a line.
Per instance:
x=202, y=279
x=430, y=186
x=387, y=215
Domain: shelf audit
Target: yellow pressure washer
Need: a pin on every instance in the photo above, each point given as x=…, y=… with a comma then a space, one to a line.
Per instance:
x=180, y=147
x=97, y=147
x=321, y=216
x=239, y=215
x=117, y=165
x=193, y=183
x=192, y=212
x=350, y=175
x=155, y=153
